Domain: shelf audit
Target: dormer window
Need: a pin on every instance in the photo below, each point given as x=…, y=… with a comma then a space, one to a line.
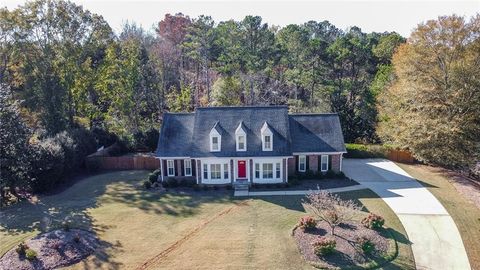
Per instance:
x=215, y=146
x=267, y=138
x=215, y=138
x=241, y=138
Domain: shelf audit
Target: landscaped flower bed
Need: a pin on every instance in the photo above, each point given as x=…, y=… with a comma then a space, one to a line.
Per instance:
x=354, y=246
x=51, y=250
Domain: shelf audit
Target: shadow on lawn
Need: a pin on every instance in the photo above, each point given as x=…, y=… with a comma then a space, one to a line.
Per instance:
x=74, y=203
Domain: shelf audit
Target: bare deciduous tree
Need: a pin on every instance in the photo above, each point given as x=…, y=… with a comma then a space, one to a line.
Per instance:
x=330, y=208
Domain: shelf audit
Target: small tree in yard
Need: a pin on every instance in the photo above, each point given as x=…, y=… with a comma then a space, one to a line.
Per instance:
x=330, y=208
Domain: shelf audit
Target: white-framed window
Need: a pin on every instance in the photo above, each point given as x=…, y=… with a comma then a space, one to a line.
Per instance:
x=170, y=167
x=267, y=172
x=225, y=171
x=277, y=170
x=257, y=170
x=205, y=171
x=241, y=138
x=241, y=143
x=324, y=163
x=215, y=171
x=215, y=139
x=187, y=164
x=302, y=163
x=215, y=143
x=267, y=138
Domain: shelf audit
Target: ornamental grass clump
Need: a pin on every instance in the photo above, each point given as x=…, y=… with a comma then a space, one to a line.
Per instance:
x=373, y=221
x=324, y=246
x=307, y=223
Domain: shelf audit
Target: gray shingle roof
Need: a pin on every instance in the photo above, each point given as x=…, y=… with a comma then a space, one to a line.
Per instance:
x=316, y=133
x=176, y=135
x=187, y=134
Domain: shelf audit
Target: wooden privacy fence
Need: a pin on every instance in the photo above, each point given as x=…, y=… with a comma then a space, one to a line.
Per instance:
x=401, y=156
x=123, y=163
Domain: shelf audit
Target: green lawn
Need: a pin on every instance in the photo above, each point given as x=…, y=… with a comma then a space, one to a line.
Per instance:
x=206, y=230
x=465, y=214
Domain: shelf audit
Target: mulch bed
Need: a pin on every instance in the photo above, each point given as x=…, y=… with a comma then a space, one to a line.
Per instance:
x=54, y=249
x=347, y=253
x=308, y=184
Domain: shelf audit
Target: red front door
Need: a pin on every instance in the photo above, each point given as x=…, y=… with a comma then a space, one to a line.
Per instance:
x=242, y=169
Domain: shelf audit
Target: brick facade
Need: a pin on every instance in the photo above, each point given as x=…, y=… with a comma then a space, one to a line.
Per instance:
x=336, y=159
x=313, y=163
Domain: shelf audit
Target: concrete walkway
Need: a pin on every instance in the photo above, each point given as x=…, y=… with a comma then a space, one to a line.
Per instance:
x=293, y=192
x=436, y=242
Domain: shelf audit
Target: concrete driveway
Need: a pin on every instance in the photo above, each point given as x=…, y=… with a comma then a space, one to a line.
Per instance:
x=436, y=242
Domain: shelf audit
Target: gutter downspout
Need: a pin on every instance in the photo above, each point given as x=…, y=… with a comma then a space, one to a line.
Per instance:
x=161, y=168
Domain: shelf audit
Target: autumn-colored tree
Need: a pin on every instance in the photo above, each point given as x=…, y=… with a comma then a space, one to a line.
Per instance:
x=432, y=108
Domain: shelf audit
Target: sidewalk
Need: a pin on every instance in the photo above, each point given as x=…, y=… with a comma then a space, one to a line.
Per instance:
x=293, y=192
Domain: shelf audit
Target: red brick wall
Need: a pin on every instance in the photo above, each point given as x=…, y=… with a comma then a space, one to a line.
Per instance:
x=336, y=162
x=313, y=163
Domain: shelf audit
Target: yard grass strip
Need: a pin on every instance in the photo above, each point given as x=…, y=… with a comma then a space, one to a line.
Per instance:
x=164, y=253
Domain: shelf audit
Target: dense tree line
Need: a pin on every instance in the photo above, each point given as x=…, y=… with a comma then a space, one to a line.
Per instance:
x=431, y=103
x=67, y=78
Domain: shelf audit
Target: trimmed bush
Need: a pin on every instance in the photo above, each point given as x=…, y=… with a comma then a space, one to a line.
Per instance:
x=365, y=245
x=196, y=187
x=147, y=184
x=324, y=246
x=76, y=238
x=373, y=221
x=30, y=254
x=152, y=178
x=172, y=182
x=66, y=225
x=307, y=223
x=365, y=151
x=21, y=248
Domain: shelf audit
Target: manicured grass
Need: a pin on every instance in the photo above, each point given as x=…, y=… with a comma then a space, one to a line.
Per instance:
x=463, y=212
x=178, y=230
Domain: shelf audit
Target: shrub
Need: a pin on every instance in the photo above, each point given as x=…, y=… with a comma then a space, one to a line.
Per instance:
x=309, y=174
x=147, y=184
x=340, y=175
x=215, y=187
x=206, y=188
x=307, y=223
x=66, y=225
x=76, y=238
x=324, y=246
x=331, y=174
x=373, y=221
x=172, y=182
x=152, y=178
x=366, y=246
x=30, y=254
x=229, y=187
x=365, y=151
x=21, y=248
x=196, y=187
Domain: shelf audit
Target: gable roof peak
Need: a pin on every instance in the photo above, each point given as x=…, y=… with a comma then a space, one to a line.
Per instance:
x=216, y=128
x=240, y=128
x=266, y=128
